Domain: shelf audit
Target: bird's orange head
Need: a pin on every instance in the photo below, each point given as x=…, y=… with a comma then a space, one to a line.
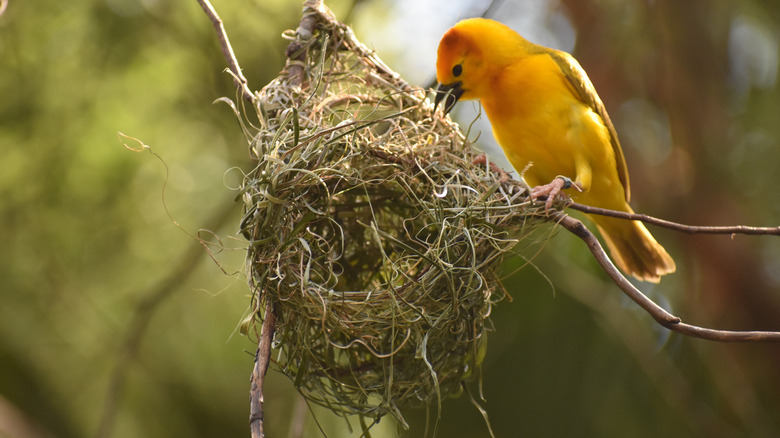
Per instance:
x=469, y=53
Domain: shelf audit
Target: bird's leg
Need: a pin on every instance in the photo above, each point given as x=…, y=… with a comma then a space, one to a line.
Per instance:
x=551, y=190
x=502, y=175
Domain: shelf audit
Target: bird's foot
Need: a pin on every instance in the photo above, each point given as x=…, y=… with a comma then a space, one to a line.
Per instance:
x=551, y=191
x=502, y=175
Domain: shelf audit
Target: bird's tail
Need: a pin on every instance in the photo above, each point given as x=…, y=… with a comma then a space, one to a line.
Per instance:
x=633, y=248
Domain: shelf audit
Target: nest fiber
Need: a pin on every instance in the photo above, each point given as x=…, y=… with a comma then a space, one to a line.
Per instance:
x=372, y=232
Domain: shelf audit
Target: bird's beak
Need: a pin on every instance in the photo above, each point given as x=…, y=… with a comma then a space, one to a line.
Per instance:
x=450, y=93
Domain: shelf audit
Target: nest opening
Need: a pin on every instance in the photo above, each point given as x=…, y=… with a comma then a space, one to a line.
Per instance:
x=372, y=232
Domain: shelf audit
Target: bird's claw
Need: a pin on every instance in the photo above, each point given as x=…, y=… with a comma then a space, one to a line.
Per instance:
x=551, y=191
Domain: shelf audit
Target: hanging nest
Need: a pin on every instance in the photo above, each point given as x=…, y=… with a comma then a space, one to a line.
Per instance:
x=371, y=231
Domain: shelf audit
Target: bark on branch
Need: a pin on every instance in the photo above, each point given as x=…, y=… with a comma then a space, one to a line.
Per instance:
x=227, y=50
x=262, y=359
x=689, y=229
x=663, y=317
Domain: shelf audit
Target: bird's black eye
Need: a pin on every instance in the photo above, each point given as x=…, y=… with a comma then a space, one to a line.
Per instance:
x=457, y=70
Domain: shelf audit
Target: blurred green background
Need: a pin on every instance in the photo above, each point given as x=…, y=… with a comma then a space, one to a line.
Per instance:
x=115, y=322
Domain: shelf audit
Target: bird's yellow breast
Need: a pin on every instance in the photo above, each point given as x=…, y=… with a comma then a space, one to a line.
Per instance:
x=537, y=119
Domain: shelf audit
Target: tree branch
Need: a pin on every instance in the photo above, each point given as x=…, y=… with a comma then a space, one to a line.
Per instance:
x=312, y=11
x=227, y=50
x=262, y=359
x=690, y=229
x=659, y=314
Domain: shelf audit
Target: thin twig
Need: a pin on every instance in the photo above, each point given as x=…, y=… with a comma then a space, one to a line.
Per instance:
x=227, y=50
x=659, y=314
x=690, y=229
x=313, y=10
x=262, y=359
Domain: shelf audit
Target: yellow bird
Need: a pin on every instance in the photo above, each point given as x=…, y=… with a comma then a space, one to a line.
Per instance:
x=545, y=112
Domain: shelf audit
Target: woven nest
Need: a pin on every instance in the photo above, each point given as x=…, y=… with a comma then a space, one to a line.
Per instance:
x=372, y=233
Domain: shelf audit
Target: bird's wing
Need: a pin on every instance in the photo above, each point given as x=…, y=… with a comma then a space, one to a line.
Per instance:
x=587, y=93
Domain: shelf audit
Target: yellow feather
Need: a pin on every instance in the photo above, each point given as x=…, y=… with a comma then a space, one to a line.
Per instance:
x=544, y=110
